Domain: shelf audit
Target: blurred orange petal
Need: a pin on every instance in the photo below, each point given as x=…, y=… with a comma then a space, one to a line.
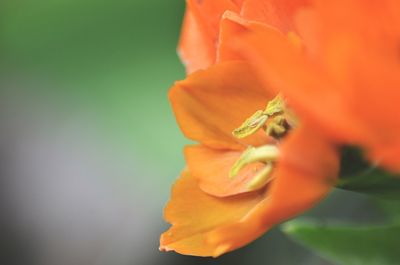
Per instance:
x=310, y=91
x=194, y=214
x=198, y=41
x=232, y=24
x=211, y=168
x=345, y=78
x=368, y=68
x=211, y=103
x=196, y=48
x=276, y=13
x=387, y=156
x=205, y=225
x=304, y=176
x=210, y=12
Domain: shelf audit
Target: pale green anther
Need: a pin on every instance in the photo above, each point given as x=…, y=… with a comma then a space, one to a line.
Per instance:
x=263, y=154
x=251, y=125
x=277, y=105
x=261, y=178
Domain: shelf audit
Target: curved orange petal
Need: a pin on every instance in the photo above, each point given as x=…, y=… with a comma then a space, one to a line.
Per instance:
x=239, y=3
x=276, y=13
x=194, y=214
x=228, y=30
x=210, y=12
x=198, y=41
x=387, y=156
x=309, y=90
x=210, y=104
x=304, y=176
x=361, y=55
x=370, y=62
x=279, y=14
x=378, y=108
x=211, y=168
x=196, y=48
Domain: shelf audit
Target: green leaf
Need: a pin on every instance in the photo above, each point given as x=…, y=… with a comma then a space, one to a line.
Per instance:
x=373, y=181
x=390, y=208
x=359, y=176
x=349, y=245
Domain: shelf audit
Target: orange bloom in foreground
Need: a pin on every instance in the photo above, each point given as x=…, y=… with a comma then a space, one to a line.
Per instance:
x=345, y=77
x=212, y=213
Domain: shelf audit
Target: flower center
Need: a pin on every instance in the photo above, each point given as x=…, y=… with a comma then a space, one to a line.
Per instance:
x=273, y=120
x=276, y=121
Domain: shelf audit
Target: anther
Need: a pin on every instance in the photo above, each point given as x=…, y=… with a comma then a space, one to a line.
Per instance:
x=251, y=125
x=275, y=106
x=258, y=120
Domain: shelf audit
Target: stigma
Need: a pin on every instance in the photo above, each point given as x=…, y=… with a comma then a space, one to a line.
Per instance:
x=266, y=154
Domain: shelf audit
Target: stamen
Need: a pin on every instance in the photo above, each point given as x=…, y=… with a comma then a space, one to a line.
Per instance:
x=263, y=154
x=260, y=118
x=273, y=119
x=261, y=178
x=275, y=106
x=251, y=125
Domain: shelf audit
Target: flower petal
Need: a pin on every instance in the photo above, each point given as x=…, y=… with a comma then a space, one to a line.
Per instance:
x=231, y=26
x=210, y=12
x=386, y=156
x=197, y=46
x=284, y=66
x=210, y=104
x=276, y=13
x=336, y=81
x=194, y=214
x=212, y=167
x=364, y=53
x=204, y=225
x=304, y=176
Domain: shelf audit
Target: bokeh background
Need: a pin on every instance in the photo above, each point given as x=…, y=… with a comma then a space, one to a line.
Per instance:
x=89, y=145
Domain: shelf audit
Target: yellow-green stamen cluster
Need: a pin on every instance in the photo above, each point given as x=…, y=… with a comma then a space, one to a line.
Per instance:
x=272, y=119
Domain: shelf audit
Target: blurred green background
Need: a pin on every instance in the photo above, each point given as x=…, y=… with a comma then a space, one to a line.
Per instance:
x=90, y=147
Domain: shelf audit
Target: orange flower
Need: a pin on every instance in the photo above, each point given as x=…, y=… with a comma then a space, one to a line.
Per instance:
x=203, y=32
x=342, y=74
x=275, y=179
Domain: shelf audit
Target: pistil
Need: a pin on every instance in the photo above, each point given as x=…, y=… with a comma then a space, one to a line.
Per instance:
x=264, y=154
